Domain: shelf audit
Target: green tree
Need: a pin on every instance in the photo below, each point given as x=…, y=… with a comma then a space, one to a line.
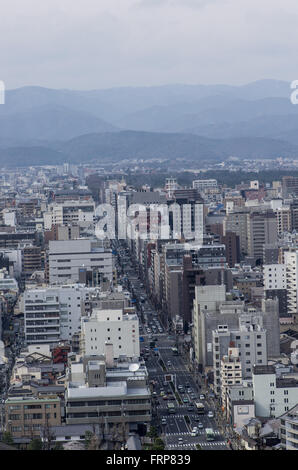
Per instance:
x=35, y=444
x=158, y=444
x=7, y=438
x=152, y=432
x=88, y=437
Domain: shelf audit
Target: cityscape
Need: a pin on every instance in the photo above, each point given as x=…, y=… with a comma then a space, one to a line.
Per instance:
x=148, y=230
x=141, y=342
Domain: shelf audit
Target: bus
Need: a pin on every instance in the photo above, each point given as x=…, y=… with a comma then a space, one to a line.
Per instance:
x=171, y=407
x=175, y=351
x=209, y=434
x=200, y=408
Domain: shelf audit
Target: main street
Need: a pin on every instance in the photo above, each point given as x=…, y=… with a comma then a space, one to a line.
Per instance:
x=157, y=350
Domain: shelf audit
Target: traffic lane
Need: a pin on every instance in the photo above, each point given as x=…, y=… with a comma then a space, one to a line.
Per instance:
x=171, y=426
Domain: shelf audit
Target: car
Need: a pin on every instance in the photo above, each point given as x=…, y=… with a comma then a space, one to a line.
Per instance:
x=169, y=363
x=210, y=414
x=202, y=396
x=192, y=396
x=185, y=400
x=190, y=408
x=163, y=421
x=165, y=397
x=194, y=433
x=200, y=425
x=196, y=418
x=180, y=440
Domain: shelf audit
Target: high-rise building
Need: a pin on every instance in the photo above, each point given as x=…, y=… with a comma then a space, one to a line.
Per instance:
x=110, y=326
x=66, y=258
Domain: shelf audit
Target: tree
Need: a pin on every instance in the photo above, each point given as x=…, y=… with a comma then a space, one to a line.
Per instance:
x=88, y=436
x=7, y=438
x=152, y=432
x=158, y=444
x=35, y=444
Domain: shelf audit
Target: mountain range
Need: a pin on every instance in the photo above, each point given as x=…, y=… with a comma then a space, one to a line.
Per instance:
x=196, y=122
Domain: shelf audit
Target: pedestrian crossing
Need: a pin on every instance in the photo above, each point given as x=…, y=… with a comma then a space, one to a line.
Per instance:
x=165, y=406
x=194, y=444
x=201, y=432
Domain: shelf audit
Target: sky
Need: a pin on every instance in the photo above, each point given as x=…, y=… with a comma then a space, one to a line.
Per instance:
x=93, y=44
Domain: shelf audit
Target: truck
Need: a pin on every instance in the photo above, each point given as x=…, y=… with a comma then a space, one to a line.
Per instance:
x=171, y=407
x=200, y=408
x=210, y=436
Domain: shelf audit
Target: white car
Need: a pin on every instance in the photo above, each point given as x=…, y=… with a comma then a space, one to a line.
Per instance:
x=210, y=414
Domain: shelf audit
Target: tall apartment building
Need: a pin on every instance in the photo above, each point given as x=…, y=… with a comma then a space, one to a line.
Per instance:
x=274, y=393
x=53, y=314
x=230, y=371
x=187, y=217
x=249, y=339
x=291, y=265
x=261, y=229
x=284, y=219
x=110, y=326
x=275, y=285
x=237, y=222
x=207, y=302
x=232, y=243
x=31, y=259
x=66, y=258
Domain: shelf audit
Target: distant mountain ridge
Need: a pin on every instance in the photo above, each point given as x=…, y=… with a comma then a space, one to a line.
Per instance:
x=171, y=121
x=137, y=145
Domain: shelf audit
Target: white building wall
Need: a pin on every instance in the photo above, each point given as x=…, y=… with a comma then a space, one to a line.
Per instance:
x=68, y=256
x=271, y=400
x=113, y=327
x=274, y=276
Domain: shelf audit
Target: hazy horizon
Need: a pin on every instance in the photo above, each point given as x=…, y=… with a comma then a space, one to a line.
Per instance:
x=219, y=84
x=90, y=45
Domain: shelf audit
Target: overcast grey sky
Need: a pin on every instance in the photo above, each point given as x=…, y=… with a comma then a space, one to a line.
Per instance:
x=88, y=44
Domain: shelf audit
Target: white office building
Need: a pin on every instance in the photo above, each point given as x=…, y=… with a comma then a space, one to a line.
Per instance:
x=67, y=257
x=53, y=314
x=274, y=393
x=110, y=326
x=79, y=212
